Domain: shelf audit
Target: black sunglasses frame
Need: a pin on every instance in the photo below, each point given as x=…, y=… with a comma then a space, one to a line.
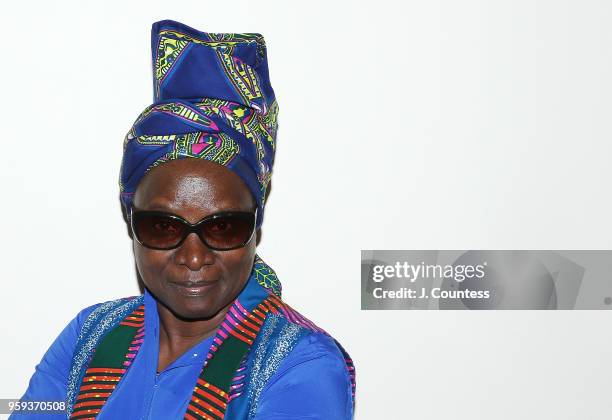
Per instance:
x=192, y=228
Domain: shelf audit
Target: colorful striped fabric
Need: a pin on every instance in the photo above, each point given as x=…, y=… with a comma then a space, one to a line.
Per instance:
x=110, y=361
x=234, y=338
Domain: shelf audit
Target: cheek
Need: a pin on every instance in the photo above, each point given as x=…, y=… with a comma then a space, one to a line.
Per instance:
x=237, y=265
x=150, y=263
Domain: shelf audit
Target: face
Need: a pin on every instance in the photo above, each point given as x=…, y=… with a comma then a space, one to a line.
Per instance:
x=193, y=189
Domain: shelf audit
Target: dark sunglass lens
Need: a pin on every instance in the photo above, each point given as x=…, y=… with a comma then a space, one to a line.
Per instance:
x=225, y=232
x=158, y=231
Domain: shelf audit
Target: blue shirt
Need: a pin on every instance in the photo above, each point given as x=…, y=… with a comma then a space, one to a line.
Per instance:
x=312, y=382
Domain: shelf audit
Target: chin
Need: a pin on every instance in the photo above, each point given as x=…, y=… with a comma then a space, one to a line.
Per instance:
x=198, y=309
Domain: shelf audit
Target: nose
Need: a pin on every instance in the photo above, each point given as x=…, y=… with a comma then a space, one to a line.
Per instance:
x=193, y=253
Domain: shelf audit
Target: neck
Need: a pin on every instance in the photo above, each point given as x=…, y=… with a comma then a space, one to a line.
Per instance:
x=176, y=335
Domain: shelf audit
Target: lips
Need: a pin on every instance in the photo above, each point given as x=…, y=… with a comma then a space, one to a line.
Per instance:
x=192, y=288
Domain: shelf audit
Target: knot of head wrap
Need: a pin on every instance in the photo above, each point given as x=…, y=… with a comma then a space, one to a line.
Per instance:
x=212, y=100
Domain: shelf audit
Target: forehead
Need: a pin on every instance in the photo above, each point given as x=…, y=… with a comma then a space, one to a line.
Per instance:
x=192, y=186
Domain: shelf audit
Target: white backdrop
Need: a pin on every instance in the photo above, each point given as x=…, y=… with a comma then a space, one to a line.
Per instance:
x=403, y=125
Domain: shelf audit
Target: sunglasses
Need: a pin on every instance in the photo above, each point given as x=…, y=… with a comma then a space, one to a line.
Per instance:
x=220, y=232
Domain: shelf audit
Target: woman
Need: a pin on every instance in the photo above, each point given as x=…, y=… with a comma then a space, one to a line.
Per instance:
x=210, y=337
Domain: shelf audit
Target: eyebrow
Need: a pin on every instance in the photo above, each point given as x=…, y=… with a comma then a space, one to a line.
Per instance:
x=165, y=209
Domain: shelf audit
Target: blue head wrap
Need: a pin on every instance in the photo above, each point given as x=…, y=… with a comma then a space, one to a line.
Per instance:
x=212, y=100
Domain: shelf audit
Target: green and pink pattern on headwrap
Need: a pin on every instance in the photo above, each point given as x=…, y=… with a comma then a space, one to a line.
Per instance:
x=212, y=100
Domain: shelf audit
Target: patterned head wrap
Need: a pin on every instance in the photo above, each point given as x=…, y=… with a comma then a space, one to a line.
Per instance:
x=212, y=100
